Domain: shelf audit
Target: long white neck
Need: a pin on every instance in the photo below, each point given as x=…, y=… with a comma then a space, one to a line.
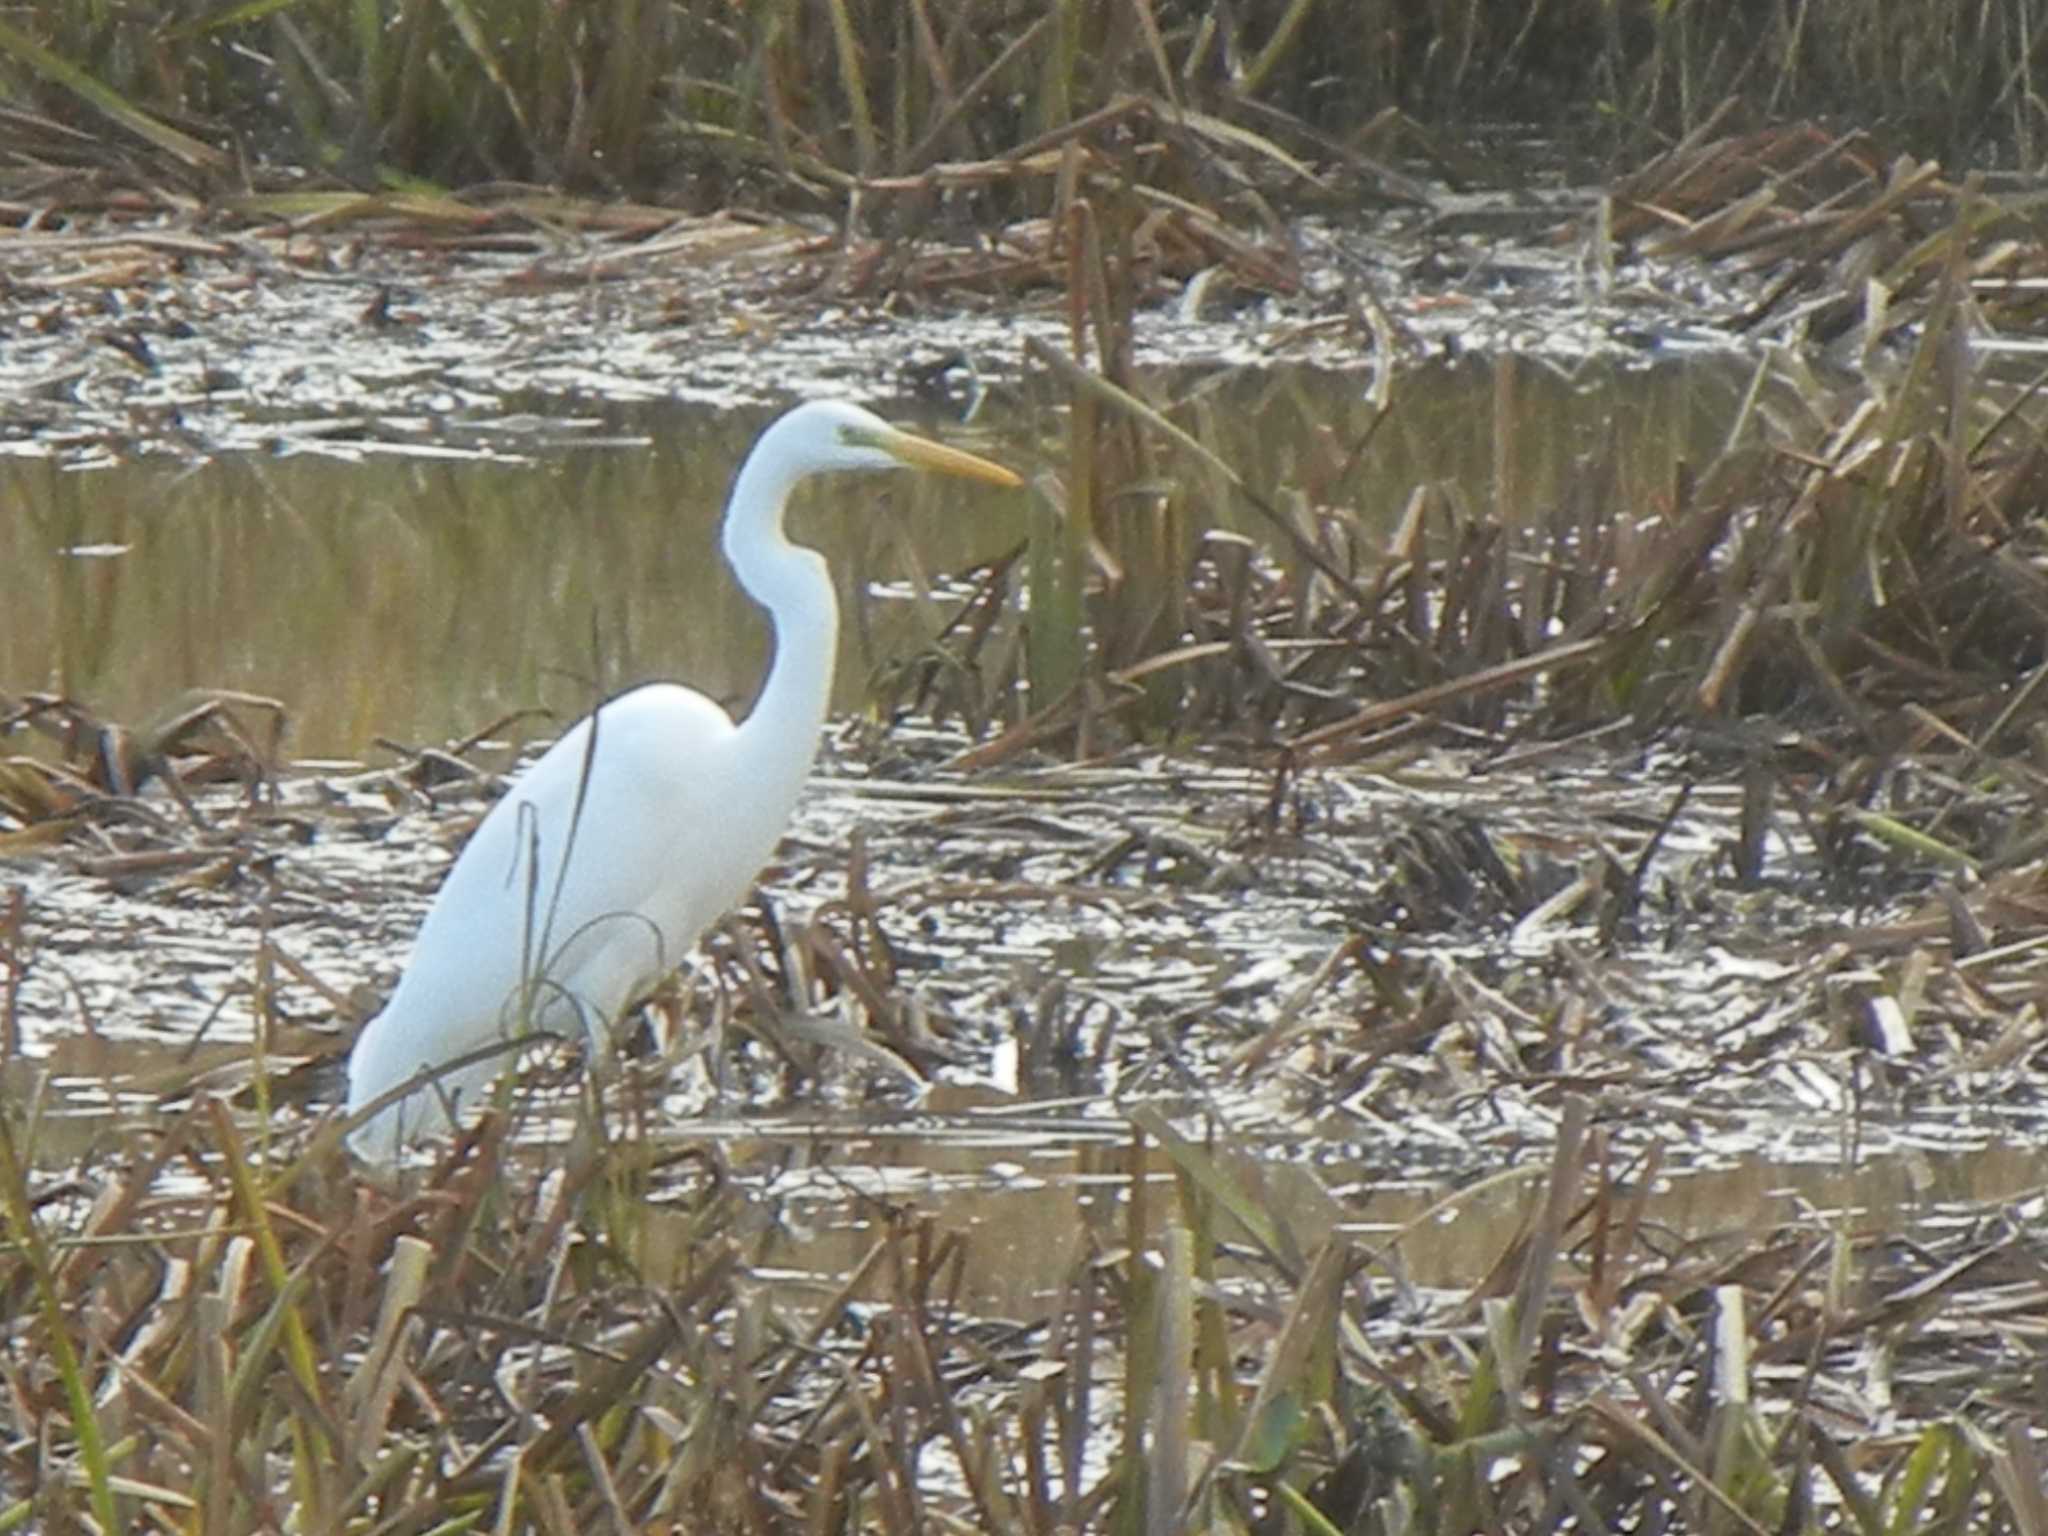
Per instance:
x=780, y=735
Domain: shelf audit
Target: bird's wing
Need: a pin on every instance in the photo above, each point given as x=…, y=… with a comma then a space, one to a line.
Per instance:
x=554, y=888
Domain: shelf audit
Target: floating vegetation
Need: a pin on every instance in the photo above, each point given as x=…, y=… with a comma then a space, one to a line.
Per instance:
x=1531, y=969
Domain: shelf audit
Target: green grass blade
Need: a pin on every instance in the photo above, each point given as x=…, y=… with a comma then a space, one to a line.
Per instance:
x=471, y=31
x=85, y=1424
x=1268, y=58
x=180, y=146
x=1313, y=1520
x=233, y=16
x=854, y=80
x=1201, y=1170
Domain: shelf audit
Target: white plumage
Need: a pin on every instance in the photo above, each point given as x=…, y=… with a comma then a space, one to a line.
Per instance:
x=539, y=926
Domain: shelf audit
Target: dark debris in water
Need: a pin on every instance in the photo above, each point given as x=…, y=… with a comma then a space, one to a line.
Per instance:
x=1428, y=949
x=350, y=324
x=1557, y=986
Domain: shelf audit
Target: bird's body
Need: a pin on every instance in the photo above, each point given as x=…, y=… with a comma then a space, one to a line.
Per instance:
x=591, y=880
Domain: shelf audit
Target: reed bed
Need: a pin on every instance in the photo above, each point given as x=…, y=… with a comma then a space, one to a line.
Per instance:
x=216, y=1334
x=803, y=103
x=1864, y=553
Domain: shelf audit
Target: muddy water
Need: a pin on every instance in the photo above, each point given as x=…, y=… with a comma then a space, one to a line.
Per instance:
x=1033, y=1204
x=380, y=589
x=418, y=598
x=1034, y=1189
x=416, y=580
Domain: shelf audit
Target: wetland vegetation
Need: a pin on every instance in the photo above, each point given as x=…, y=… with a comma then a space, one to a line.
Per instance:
x=1444, y=934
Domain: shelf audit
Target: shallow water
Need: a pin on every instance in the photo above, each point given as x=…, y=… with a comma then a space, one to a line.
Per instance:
x=418, y=582
x=390, y=584
x=421, y=598
x=1035, y=1188
x=1034, y=1196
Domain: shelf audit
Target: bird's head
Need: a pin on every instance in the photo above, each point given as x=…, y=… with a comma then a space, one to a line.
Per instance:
x=833, y=434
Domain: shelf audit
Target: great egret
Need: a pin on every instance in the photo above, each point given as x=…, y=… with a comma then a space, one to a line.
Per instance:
x=646, y=822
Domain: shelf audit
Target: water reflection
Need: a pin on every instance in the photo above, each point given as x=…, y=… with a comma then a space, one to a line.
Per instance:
x=420, y=598
x=412, y=598
x=1031, y=1210
x=1035, y=1188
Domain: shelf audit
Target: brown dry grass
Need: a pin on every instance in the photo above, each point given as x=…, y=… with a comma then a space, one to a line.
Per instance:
x=220, y=1329
x=703, y=103
x=220, y=1336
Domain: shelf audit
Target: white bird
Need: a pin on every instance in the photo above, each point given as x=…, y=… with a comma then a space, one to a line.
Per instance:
x=591, y=880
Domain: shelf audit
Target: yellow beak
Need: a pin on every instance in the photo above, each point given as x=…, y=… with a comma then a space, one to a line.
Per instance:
x=923, y=453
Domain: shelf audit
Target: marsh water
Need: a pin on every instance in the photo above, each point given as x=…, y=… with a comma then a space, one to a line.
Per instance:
x=415, y=581
x=1023, y=1196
